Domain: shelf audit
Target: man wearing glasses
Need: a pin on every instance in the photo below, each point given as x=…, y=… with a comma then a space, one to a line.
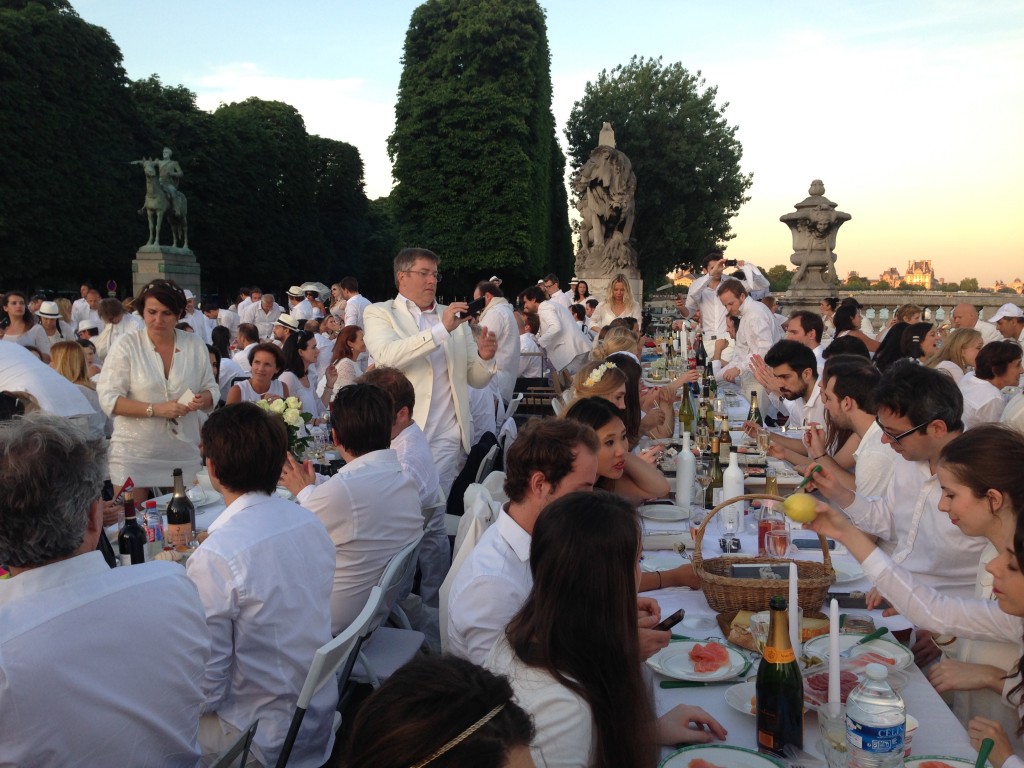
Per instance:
x=432, y=345
x=918, y=411
x=550, y=286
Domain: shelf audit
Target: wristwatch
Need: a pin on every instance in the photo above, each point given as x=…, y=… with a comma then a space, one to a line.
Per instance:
x=149, y=410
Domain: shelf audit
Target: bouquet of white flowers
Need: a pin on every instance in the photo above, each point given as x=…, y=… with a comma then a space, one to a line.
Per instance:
x=289, y=409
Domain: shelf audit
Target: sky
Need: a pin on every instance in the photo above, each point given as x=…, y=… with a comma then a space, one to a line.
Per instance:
x=910, y=112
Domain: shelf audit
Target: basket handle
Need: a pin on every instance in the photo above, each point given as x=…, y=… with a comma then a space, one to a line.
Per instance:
x=698, y=539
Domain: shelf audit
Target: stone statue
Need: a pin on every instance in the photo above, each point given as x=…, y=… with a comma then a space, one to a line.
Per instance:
x=163, y=198
x=606, y=186
x=814, y=225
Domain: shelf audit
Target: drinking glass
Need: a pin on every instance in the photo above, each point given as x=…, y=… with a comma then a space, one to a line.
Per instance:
x=703, y=477
x=776, y=542
x=762, y=443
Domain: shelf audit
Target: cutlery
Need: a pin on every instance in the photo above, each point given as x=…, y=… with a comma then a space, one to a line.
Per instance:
x=983, y=753
x=697, y=683
x=866, y=639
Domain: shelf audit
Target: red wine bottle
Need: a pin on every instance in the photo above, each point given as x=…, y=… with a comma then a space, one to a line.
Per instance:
x=181, y=515
x=131, y=541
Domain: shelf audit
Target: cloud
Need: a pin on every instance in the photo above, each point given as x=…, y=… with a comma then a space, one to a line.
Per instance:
x=336, y=108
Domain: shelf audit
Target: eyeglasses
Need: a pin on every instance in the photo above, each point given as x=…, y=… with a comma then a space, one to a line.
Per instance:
x=896, y=438
x=549, y=285
x=424, y=274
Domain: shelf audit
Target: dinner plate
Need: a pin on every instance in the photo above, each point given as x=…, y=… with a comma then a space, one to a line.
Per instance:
x=674, y=661
x=901, y=657
x=952, y=762
x=664, y=513
x=848, y=572
x=739, y=697
x=720, y=755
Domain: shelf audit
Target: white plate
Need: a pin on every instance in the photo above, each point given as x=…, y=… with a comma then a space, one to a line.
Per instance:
x=902, y=658
x=664, y=513
x=847, y=572
x=661, y=560
x=738, y=697
x=674, y=661
x=720, y=754
x=954, y=762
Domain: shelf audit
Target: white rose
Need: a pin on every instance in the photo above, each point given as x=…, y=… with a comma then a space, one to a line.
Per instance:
x=293, y=402
x=293, y=418
x=263, y=404
x=277, y=406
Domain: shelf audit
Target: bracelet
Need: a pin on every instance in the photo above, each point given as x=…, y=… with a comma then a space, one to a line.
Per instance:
x=659, y=578
x=815, y=458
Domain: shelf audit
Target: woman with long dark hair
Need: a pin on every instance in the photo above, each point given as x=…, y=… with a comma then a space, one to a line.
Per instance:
x=19, y=326
x=347, y=348
x=585, y=689
x=847, y=320
x=918, y=341
x=299, y=374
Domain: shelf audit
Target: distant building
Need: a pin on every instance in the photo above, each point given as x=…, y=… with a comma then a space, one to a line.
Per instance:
x=920, y=273
x=1017, y=286
x=891, y=276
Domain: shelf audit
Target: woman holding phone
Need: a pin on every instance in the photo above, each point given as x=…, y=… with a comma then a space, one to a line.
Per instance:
x=585, y=688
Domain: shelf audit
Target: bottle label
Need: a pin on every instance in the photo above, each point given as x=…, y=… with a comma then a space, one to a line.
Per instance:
x=877, y=741
x=778, y=656
x=178, y=535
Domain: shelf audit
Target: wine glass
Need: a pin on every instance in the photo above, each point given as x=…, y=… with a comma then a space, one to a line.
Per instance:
x=762, y=443
x=703, y=477
x=729, y=520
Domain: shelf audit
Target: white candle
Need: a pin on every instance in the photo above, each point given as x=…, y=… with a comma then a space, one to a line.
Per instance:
x=833, y=658
x=794, y=613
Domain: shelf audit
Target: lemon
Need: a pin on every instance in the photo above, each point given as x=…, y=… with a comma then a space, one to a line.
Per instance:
x=799, y=507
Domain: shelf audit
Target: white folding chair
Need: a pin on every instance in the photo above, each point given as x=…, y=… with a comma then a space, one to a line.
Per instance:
x=513, y=405
x=388, y=648
x=440, y=501
x=557, y=405
x=238, y=749
x=328, y=660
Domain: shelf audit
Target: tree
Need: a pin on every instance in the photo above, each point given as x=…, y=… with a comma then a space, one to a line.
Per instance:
x=685, y=155
x=341, y=204
x=949, y=287
x=779, y=277
x=969, y=284
x=856, y=283
x=478, y=168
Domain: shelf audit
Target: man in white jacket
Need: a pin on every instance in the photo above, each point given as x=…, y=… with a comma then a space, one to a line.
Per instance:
x=559, y=335
x=499, y=318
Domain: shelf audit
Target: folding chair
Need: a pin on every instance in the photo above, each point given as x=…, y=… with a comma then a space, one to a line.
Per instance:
x=513, y=405
x=239, y=749
x=328, y=660
x=388, y=648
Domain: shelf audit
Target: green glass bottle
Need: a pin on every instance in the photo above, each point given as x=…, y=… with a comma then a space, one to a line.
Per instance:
x=686, y=418
x=711, y=498
x=779, y=687
x=754, y=414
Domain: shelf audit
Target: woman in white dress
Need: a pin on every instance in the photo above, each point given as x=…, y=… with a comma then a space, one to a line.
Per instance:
x=618, y=303
x=982, y=487
x=266, y=363
x=585, y=689
x=145, y=386
x=347, y=348
x=53, y=325
x=957, y=354
x=299, y=375
x=19, y=326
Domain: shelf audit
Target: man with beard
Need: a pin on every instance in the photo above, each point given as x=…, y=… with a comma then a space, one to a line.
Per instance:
x=789, y=375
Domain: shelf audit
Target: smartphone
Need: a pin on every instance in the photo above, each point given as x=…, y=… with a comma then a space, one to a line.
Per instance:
x=476, y=306
x=666, y=624
x=5, y=322
x=812, y=543
x=731, y=262
x=856, y=600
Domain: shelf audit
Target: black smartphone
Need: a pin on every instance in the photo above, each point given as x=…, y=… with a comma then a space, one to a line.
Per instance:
x=856, y=600
x=5, y=322
x=731, y=262
x=812, y=543
x=476, y=306
x=666, y=624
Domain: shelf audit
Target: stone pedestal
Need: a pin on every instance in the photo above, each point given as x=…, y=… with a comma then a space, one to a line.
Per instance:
x=813, y=226
x=167, y=262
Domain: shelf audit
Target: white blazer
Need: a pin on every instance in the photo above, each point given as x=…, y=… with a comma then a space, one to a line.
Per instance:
x=559, y=334
x=393, y=338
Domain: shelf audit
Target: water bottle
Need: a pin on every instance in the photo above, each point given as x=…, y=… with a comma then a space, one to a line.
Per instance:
x=876, y=722
x=686, y=473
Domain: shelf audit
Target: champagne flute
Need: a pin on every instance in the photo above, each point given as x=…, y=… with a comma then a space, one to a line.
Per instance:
x=703, y=477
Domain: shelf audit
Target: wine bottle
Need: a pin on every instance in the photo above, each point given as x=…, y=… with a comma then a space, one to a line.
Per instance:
x=181, y=515
x=724, y=442
x=685, y=411
x=131, y=541
x=779, y=687
x=754, y=414
x=713, y=494
x=702, y=355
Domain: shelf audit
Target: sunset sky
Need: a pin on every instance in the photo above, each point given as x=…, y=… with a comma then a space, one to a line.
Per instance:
x=910, y=112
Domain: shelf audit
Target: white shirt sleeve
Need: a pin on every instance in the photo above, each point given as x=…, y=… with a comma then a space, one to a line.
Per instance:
x=218, y=592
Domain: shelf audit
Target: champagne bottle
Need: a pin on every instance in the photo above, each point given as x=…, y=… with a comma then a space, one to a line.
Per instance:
x=754, y=414
x=685, y=411
x=131, y=541
x=713, y=494
x=181, y=515
x=780, y=688
x=709, y=414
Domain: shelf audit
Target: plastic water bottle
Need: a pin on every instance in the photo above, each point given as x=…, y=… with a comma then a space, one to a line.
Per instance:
x=876, y=722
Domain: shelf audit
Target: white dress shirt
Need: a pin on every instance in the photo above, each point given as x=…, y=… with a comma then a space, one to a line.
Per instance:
x=983, y=402
x=1013, y=414
x=241, y=358
x=562, y=718
x=113, y=332
x=873, y=463
x=371, y=509
x=530, y=367
x=413, y=452
x=704, y=299
x=559, y=335
x=354, y=307
x=757, y=333
x=101, y=666
x=561, y=297
x=989, y=332
x=499, y=318
x=264, y=576
x=262, y=319
x=228, y=319
x=80, y=311
x=951, y=369
x=604, y=314
x=200, y=324
x=490, y=587
x=911, y=529
x=301, y=310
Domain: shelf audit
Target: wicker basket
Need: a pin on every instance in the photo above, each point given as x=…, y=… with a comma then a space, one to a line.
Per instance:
x=728, y=593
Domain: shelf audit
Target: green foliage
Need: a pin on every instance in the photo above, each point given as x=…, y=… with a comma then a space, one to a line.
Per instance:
x=1006, y=289
x=969, y=284
x=685, y=155
x=779, y=277
x=905, y=286
x=478, y=168
x=856, y=283
x=949, y=287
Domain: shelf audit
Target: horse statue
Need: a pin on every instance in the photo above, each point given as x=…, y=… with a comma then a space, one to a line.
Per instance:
x=163, y=199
